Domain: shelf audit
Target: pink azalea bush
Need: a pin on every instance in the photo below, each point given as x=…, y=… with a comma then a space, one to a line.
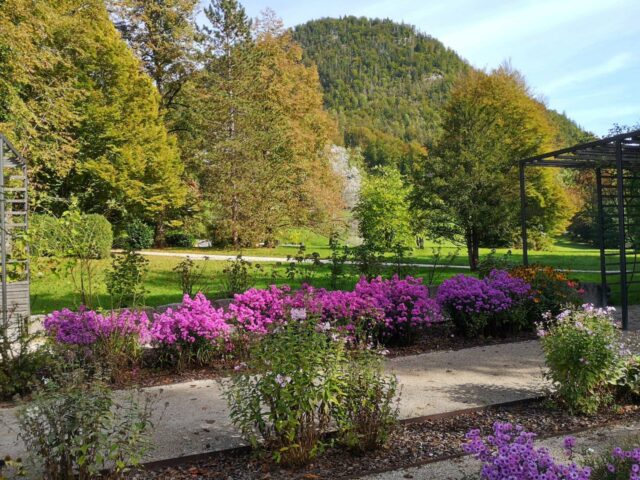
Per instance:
x=115, y=339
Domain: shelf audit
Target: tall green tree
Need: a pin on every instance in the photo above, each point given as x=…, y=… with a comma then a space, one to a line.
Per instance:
x=469, y=186
x=382, y=212
x=164, y=36
x=261, y=129
x=78, y=105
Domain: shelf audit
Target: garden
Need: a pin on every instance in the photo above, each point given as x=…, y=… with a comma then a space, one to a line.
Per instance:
x=303, y=372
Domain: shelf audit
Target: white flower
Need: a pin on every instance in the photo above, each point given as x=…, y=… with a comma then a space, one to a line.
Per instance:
x=298, y=314
x=324, y=327
x=283, y=381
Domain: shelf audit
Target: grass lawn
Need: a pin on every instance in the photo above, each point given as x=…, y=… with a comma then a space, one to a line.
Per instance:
x=51, y=291
x=564, y=254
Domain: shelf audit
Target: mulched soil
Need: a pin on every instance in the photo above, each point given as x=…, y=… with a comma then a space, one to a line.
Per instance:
x=413, y=443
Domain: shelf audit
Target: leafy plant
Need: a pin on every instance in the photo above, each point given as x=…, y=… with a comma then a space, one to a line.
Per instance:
x=239, y=275
x=339, y=256
x=292, y=383
x=302, y=265
x=180, y=239
x=22, y=357
x=494, y=262
x=74, y=428
x=369, y=406
x=139, y=234
x=438, y=262
x=190, y=276
x=582, y=353
x=368, y=260
x=125, y=280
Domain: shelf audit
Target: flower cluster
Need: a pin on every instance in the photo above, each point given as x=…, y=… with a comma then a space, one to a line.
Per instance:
x=85, y=326
x=495, y=293
x=510, y=453
x=551, y=290
x=624, y=462
x=583, y=353
x=404, y=304
x=193, y=320
x=257, y=310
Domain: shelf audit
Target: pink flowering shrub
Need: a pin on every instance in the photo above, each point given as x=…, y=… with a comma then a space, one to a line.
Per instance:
x=494, y=305
x=257, y=311
x=404, y=305
x=194, y=332
x=114, y=339
x=86, y=327
x=510, y=453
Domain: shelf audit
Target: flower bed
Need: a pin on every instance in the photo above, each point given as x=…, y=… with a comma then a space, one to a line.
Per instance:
x=494, y=305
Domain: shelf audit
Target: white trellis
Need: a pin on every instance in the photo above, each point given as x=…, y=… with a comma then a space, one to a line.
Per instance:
x=14, y=221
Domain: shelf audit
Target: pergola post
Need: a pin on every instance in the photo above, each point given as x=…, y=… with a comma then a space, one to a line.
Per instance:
x=601, y=237
x=622, y=241
x=523, y=216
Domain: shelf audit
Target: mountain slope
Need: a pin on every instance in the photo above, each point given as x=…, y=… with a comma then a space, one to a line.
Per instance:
x=387, y=83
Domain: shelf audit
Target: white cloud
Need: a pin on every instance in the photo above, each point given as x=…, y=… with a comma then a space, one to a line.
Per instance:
x=614, y=64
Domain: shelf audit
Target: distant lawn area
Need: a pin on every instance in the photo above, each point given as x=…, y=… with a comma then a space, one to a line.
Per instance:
x=564, y=254
x=51, y=291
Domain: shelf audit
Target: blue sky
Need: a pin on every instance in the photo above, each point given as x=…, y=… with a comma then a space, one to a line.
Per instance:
x=581, y=56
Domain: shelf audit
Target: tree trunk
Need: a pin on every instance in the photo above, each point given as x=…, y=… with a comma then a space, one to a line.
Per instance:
x=159, y=240
x=473, y=249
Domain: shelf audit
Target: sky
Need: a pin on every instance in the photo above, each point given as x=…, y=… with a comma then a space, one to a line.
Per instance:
x=582, y=57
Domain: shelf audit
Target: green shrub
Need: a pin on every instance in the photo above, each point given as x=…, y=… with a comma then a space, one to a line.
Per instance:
x=368, y=409
x=180, y=239
x=551, y=290
x=75, y=236
x=582, y=353
x=493, y=261
x=98, y=228
x=22, y=358
x=294, y=379
x=140, y=234
x=74, y=427
x=239, y=275
x=190, y=276
x=125, y=280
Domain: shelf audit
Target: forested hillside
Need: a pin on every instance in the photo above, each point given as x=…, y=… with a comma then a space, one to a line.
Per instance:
x=388, y=83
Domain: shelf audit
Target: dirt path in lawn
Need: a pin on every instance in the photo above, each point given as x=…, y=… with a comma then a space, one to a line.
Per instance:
x=192, y=417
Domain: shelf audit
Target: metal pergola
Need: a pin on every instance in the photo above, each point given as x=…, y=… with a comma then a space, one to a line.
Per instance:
x=616, y=163
x=14, y=249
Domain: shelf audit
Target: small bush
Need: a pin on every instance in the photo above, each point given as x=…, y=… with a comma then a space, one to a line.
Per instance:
x=74, y=428
x=258, y=311
x=619, y=464
x=493, y=261
x=76, y=236
x=190, y=276
x=125, y=280
x=140, y=234
x=180, y=239
x=238, y=276
x=293, y=380
x=494, y=305
x=22, y=359
x=193, y=333
x=368, y=409
x=551, y=290
x=582, y=353
x=112, y=341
